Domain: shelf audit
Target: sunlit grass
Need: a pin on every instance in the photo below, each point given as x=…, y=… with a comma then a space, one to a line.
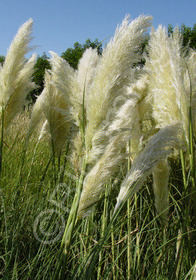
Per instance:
x=153, y=248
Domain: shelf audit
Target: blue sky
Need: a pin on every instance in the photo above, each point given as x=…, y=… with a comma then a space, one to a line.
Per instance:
x=60, y=23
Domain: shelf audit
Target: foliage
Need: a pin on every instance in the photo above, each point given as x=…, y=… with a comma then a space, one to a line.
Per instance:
x=41, y=65
x=188, y=34
x=2, y=59
x=73, y=55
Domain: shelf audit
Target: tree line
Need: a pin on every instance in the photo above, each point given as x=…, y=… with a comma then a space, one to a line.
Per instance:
x=73, y=55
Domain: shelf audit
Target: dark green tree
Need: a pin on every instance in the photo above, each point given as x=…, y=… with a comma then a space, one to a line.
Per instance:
x=188, y=35
x=2, y=59
x=94, y=45
x=41, y=65
x=73, y=55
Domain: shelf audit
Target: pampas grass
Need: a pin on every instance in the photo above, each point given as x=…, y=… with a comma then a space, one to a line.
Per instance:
x=15, y=79
x=122, y=130
x=114, y=73
x=112, y=136
x=159, y=147
x=171, y=91
x=53, y=104
x=166, y=66
x=16, y=74
x=100, y=174
x=85, y=75
x=23, y=86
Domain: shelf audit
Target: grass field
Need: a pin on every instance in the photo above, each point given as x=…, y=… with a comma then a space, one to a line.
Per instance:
x=136, y=243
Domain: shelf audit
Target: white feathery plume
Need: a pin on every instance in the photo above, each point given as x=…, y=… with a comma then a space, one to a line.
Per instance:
x=62, y=84
x=15, y=60
x=55, y=102
x=16, y=73
x=84, y=77
x=159, y=147
x=137, y=94
x=169, y=83
x=63, y=78
x=160, y=188
x=119, y=133
x=23, y=86
x=62, y=74
x=143, y=125
x=141, y=89
x=103, y=137
x=57, y=114
x=165, y=66
x=114, y=72
x=99, y=175
x=85, y=73
x=128, y=119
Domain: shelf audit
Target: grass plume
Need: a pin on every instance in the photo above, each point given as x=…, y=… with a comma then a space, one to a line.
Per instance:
x=16, y=74
x=114, y=72
x=53, y=104
x=159, y=147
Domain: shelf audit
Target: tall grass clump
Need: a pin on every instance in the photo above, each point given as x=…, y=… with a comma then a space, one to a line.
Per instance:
x=170, y=100
x=112, y=75
x=171, y=86
x=53, y=110
x=171, y=103
x=109, y=128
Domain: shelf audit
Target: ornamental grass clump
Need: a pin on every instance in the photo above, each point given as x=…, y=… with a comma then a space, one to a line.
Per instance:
x=166, y=65
x=158, y=148
x=113, y=72
x=125, y=128
x=110, y=123
x=114, y=155
x=169, y=93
